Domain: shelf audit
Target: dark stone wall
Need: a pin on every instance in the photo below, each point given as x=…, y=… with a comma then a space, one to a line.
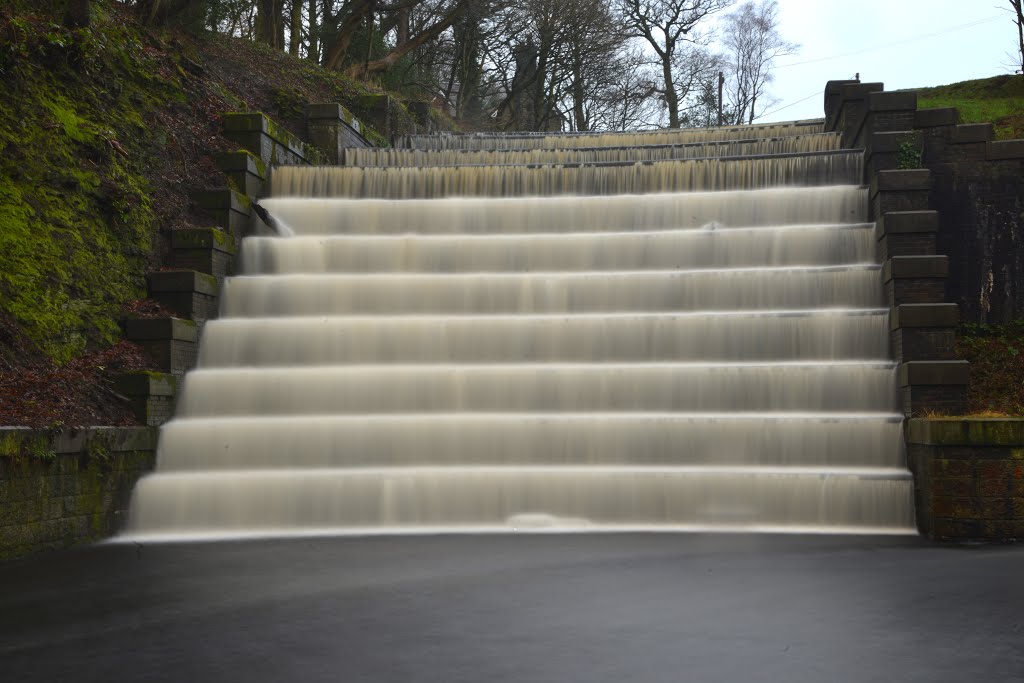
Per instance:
x=968, y=477
x=62, y=489
x=980, y=204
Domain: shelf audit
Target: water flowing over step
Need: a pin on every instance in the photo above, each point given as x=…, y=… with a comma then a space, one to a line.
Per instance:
x=792, y=144
x=817, y=168
x=513, y=141
x=581, y=342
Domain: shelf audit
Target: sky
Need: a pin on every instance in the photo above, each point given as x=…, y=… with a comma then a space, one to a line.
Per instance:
x=929, y=54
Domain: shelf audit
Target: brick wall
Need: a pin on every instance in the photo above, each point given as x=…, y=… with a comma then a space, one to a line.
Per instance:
x=968, y=477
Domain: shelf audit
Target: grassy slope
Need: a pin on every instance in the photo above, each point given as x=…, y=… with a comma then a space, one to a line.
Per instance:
x=104, y=132
x=998, y=100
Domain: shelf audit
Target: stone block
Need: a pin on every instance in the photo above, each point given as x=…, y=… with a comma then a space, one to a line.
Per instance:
x=915, y=267
x=909, y=244
x=1004, y=149
x=973, y=431
x=924, y=315
x=972, y=132
x=933, y=373
x=935, y=118
x=146, y=329
x=886, y=202
x=859, y=91
x=246, y=172
x=146, y=384
x=207, y=250
x=203, y=238
x=171, y=343
x=896, y=100
x=893, y=141
x=901, y=181
x=913, y=344
x=188, y=293
x=899, y=222
x=165, y=281
x=228, y=208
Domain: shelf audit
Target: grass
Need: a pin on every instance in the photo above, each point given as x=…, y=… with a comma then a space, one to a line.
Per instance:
x=998, y=100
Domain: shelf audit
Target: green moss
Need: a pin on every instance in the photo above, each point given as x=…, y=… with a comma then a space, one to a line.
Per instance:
x=76, y=215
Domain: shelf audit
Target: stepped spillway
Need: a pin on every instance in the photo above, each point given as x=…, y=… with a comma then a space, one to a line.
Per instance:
x=661, y=331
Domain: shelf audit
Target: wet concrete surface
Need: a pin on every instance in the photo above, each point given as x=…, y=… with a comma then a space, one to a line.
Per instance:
x=519, y=608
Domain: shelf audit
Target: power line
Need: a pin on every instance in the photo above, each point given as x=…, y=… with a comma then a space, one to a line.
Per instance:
x=895, y=44
x=792, y=104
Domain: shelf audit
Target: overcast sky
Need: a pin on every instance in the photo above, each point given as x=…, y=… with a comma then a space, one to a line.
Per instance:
x=827, y=28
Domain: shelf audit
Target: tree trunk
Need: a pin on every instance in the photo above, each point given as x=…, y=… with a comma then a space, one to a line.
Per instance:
x=314, y=48
x=269, y=23
x=336, y=52
x=77, y=14
x=1018, y=7
x=388, y=60
x=671, y=99
x=295, y=36
x=403, y=27
x=578, y=97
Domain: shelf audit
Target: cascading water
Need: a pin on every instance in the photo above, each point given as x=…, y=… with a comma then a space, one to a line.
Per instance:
x=559, y=357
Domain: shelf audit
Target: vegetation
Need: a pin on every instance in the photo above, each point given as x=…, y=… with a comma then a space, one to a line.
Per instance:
x=104, y=133
x=996, y=355
x=530, y=65
x=999, y=100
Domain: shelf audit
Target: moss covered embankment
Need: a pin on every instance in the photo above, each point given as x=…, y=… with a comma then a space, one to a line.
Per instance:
x=105, y=132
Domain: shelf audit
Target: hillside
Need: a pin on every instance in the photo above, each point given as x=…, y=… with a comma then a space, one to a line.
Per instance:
x=105, y=132
x=998, y=100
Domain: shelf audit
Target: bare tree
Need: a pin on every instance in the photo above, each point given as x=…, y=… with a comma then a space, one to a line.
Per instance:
x=1018, y=19
x=752, y=42
x=665, y=25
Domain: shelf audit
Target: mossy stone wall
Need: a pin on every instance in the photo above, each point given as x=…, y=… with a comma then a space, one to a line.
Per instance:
x=63, y=489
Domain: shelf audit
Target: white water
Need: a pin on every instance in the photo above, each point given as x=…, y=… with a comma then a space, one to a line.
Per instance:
x=658, y=362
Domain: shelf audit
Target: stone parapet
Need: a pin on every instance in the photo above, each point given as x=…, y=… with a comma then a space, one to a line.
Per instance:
x=152, y=395
x=189, y=293
x=172, y=343
x=246, y=173
x=332, y=128
x=206, y=250
x=269, y=142
x=229, y=210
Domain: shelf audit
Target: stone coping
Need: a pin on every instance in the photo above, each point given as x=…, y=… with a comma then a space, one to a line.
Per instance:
x=20, y=441
x=967, y=431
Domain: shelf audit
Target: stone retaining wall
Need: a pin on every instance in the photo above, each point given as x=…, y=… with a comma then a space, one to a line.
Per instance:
x=968, y=477
x=60, y=490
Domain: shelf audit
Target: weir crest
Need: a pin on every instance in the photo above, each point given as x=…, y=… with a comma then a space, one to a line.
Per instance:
x=665, y=331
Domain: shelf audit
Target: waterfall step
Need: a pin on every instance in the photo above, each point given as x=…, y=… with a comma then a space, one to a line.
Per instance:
x=496, y=499
x=816, y=335
x=830, y=440
x=603, y=387
x=792, y=144
x=816, y=168
x=598, y=214
x=573, y=343
x=847, y=286
x=713, y=246
x=512, y=141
